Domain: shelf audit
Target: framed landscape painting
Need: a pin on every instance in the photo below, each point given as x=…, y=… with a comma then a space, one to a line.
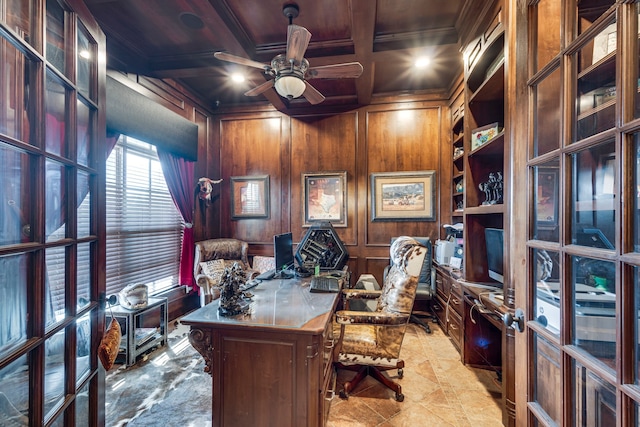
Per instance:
x=403, y=196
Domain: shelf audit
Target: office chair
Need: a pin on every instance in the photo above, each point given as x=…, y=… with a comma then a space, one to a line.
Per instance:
x=369, y=342
x=426, y=284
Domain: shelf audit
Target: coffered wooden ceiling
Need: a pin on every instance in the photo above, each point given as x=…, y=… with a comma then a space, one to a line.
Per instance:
x=176, y=39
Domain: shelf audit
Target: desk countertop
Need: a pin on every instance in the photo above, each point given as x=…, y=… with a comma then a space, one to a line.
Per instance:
x=280, y=303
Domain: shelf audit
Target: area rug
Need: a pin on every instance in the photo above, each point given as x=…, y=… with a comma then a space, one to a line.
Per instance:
x=167, y=387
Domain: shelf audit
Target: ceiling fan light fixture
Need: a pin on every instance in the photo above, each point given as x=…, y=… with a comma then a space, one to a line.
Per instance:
x=290, y=86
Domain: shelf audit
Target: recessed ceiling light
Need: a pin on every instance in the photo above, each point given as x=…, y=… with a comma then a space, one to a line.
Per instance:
x=422, y=62
x=237, y=77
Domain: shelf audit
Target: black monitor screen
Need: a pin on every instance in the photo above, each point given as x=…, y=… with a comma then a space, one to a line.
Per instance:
x=593, y=237
x=283, y=251
x=495, y=253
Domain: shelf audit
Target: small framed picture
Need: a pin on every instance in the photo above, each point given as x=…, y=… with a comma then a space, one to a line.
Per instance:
x=325, y=198
x=250, y=197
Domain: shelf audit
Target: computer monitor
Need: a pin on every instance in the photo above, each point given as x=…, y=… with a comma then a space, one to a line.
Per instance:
x=283, y=253
x=494, y=238
x=594, y=238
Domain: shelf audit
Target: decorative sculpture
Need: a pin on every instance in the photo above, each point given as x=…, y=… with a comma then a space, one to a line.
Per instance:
x=492, y=189
x=233, y=300
x=204, y=188
x=203, y=191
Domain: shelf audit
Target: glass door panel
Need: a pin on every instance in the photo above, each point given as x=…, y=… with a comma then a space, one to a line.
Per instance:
x=55, y=35
x=547, y=43
x=593, y=196
x=594, y=308
x=548, y=290
x=596, y=84
x=594, y=399
x=547, y=113
x=546, y=202
x=589, y=11
x=548, y=384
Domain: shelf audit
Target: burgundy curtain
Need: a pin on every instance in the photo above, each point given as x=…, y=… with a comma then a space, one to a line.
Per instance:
x=178, y=173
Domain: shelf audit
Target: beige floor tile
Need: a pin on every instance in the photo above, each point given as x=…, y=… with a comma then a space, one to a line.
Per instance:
x=439, y=390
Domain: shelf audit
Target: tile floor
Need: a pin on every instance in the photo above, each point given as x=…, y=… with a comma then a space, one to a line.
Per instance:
x=439, y=390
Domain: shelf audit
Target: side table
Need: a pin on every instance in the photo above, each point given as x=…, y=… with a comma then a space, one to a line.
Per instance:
x=137, y=339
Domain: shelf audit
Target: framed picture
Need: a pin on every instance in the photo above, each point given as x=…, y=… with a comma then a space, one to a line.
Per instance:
x=325, y=198
x=403, y=196
x=547, y=197
x=250, y=197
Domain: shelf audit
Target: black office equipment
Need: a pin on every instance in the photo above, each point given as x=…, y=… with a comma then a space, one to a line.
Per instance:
x=594, y=238
x=324, y=284
x=495, y=253
x=321, y=246
x=267, y=275
x=283, y=253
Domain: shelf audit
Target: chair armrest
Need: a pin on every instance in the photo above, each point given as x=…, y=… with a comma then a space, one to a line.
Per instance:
x=348, y=317
x=361, y=294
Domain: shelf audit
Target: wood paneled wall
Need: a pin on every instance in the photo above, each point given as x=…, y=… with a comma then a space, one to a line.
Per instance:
x=390, y=136
x=381, y=138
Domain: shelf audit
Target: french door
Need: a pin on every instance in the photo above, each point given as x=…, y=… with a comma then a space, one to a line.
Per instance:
x=582, y=293
x=52, y=76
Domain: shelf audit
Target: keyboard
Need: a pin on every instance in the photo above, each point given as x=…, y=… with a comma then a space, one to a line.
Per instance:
x=324, y=284
x=267, y=275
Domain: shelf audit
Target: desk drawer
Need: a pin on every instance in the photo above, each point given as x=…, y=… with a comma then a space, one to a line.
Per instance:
x=456, y=303
x=438, y=306
x=443, y=286
x=454, y=328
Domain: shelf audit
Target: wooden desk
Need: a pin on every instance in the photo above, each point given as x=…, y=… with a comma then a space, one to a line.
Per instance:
x=273, y=365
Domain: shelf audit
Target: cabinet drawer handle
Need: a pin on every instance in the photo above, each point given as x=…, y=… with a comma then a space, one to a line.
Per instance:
x=455, y=301
x=454, y=285
x=453, y=326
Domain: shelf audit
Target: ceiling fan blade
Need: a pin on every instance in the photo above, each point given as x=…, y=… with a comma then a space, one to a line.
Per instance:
x=240, y=60
x=297, y=41
x=312, y=95
x=336, y=71
x=260, y=88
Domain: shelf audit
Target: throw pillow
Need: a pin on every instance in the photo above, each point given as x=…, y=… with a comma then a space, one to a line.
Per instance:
x=110, y=344
x=213, y=269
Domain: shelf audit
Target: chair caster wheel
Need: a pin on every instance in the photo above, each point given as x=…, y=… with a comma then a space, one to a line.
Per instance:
x=343, y=394
x=400, y=373
x=399, y=397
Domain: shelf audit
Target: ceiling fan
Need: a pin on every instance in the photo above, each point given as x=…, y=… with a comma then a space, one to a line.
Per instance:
x=290, y=70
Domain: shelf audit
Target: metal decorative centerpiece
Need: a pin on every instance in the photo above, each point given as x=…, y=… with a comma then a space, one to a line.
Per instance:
x=493, y=189
x=233, y=300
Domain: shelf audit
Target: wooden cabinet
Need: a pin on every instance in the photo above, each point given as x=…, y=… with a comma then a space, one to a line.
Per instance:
x=485, y=163
x=448, y=305
x=457, y=146
x=487, y=151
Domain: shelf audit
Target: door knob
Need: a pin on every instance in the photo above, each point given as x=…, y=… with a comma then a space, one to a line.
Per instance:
x=515, y=321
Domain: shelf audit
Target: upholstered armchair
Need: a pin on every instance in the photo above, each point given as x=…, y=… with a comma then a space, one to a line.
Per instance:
x=369, y=342
x=426, y=291
x=212, y=257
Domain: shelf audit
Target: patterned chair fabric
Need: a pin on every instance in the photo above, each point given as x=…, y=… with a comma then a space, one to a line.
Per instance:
x=228, y=250
x=375, y=338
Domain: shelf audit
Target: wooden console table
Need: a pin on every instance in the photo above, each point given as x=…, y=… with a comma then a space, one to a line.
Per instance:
x=273, y=365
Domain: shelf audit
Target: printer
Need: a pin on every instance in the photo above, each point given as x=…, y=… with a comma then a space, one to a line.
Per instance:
x=444, y=250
